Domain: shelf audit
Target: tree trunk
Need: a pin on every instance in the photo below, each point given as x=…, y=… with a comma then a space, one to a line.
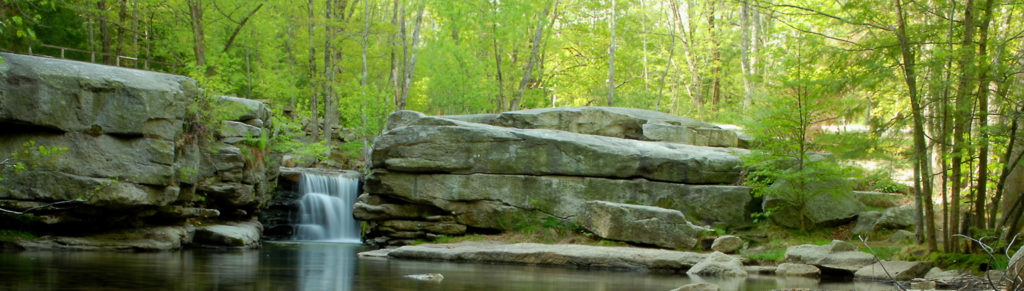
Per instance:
x=101, y=5
x=314, y=121
x=922, y=170
x=982, y=96
x=195, y=9
x=962, y=118
x=643, y=33
x=411, y=64
x=745, y=54
x=533, y=58
x=611, y=62
x=123, y=23
x=668, y=66
x=397, y=94
x=716, y=57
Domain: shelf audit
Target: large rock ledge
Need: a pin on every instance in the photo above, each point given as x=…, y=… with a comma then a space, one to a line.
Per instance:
x=507, y=171
x=426, y=144
x=138, y=165
x=577, y=256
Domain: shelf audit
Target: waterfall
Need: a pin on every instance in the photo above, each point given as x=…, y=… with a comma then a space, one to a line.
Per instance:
x=325, y=209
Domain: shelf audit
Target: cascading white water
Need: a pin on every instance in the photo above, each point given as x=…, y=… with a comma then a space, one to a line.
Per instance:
x=325, y=209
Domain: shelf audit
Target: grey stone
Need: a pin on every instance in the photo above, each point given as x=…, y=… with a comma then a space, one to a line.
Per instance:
x=897, y=218
x=432, y=145
x=700, y=286
x=825, y=202
x=557, y=195
x=616, y=122
x=233, y=235
x=718, y=264
x=866, y=222
x=936, y=273
x=241, y=109
x=727, y=244
x=902, y=236
x=230, y=129
x=797, y=270
x=838, y=255
x=161, y=238
x=580, y=256
x=893, y=271
x=639, y=224
x=84, y=97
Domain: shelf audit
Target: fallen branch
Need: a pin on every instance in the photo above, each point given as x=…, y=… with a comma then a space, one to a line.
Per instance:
x=872, y=252
x=26, y=211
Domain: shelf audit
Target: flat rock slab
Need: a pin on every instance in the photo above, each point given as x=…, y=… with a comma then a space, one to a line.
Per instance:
x=569, y=255
x=667, y=228
x=897, y=271
x=838, y=256
x=427, y=144
x=232, y=235
x=161, y=238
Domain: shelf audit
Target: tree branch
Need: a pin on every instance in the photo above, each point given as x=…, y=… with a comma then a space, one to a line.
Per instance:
x=830, y=16
x=231, y=40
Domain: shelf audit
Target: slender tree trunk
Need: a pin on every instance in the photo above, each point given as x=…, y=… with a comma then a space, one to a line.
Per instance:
x=611, y=62
x=922, y=171
x=716, y=57
x=328, y=70
x=123, y=23
x=643, y=33
x=533, y=58
x=668, y=66
x=962, y=118
x=101, y=5
x=314, y=121
x=411, y=64
x=948, y=218
x=745, y=54
x=982, y=96
x=394, y=54
x=195, y=9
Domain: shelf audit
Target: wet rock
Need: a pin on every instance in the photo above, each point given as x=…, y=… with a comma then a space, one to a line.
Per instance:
x=718, y=264
x=727, y=244
x=797, y=270
x=161, y=238
x=432, y=277
x=839, y=256
x=232, y=235
x=702, y=286
x=893, y=270
x=580, y=256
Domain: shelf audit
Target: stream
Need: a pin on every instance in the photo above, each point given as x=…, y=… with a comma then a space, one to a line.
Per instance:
x=332, y=266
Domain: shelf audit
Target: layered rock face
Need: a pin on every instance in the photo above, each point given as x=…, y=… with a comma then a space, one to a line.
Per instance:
x=135, y=157
x=511, y=170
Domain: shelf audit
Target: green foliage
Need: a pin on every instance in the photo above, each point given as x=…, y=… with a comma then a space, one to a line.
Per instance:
x=8, y=235
x=30, y=156
x=884, y=253
x=961, y=261
x=772, y=255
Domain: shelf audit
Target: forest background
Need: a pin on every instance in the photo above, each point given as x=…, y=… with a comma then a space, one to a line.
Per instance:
x=931, y=85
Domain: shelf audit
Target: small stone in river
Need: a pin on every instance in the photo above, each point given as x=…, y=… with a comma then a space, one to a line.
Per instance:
x=435, y=277
x=727, y=244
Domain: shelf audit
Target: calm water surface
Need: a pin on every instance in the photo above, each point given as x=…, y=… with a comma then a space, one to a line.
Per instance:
x=329, y=266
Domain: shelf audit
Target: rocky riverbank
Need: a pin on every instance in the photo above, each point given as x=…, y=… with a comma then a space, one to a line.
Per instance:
x=836, y=261
x=136, y=165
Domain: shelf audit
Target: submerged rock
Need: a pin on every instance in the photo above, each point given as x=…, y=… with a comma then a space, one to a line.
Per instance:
x=893, y=270
x=580, y=256
x=701, y=286
x=718, y=264
x=839, y=256
x=797, y=270
x=233, y=234
x=433, y=277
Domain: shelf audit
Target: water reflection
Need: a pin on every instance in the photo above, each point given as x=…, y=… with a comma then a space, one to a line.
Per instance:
x=332, y=266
